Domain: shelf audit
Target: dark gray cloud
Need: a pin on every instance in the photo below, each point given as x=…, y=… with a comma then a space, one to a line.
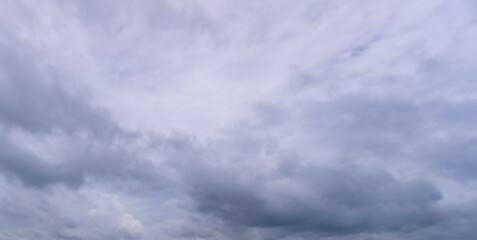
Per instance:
x=37, y=101
x=330, y=200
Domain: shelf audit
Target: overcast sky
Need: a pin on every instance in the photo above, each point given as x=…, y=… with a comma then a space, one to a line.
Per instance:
x=233, y=120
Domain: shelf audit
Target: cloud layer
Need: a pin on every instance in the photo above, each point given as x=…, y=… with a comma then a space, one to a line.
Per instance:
x=238, y=120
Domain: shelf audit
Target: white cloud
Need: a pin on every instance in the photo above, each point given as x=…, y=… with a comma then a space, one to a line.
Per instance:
x=130, y=224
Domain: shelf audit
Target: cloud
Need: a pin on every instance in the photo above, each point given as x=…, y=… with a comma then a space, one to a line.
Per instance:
x=336, y=198
x=130, y=225
x=38, y=102
x=237, y=120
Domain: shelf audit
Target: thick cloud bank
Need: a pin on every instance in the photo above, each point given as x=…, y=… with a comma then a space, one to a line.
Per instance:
x=234, y=120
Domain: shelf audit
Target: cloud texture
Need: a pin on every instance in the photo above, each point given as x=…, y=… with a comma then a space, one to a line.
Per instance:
x=236, y=120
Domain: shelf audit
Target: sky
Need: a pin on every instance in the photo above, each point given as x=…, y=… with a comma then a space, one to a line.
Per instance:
x=232, y=120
